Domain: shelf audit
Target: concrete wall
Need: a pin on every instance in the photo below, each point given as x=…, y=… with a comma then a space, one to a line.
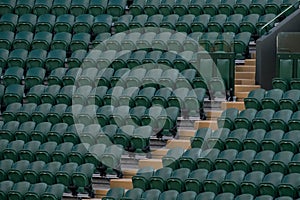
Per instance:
x=266, y=50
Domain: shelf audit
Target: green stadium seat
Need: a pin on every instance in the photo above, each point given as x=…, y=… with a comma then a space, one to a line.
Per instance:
x=26, y=22
x=36, y=59
x=111, y=159
x=244, y=119
x=245, y=196
x=291, y=5
x=224, y=42
x=64, y=174
x=55, y=113
x=15, y=173
x=207, y=41
x=205, y=195
x=243, y=159
x=56, y=132
x=226, y=120
x=280, y=120
x=272, y=139
x=78, y=7
x=13, y=93
x=262, y=21
x=290, y=141
x=262, y=119
x=97, y=8
x=177, y=98
x=138, y=22
x=225, y=158
x=254, y=99
x=107, y=134
x=112, y=96
x=55, y=59
x=87, y=115
x=9, y=114
x=166, y=7
x=123, y=136
x=151, y=116
x=189, y=158
x=35, y=191
x=232, y=23
x=213, y=181
x=181, y=7
x=70, y=116
x=17, y=58
x=45, y=23
x=5, y=165
x=47, y=174
x=184, y=24
x=294, y=164
x=194, y=102
x=23, y=7
x=195, y=180
x=189, y=195
x=34, y=76
x=60, y=7
x=248, y=23
x=152, y=77
x=31, y=174
x=103, y=113
x=54, y=192
x=141, y=179
x=151, y=7
x=45, y=151
x=289, y=100
x=8, y=130
x=6, y=39
x=251, y=182
x=169, y=194
x=171, y=158
x=269, y=184
x=273, y=6
x=177, y=179
x=226, y=7
x=13, y=75
x=288, y=186
x=78, y=152
x=3, y=57
x=145, y=41
x=240, y=44
x=258, y=7
x=80, y=41
x=24, y=131
x=216, y=23
x=207, y=159
x=77, y=58
x=7, y=6
x=8, y=21
x=225, y=195
x=169, y=22
x=24, y=114
x=90, y=133
x=136, y=59
x=42, y=7
x=235, y=139
x=83, y=23
x=211, y=7
x=242, y=7
x=64, y=23
x=61, y=40
x=49, y=94
x=116, y=8
x=262, y=160
x=294, y=121
x=61, y=151
x=122, y=24
x=72, y=133
x=271, y=99
x=40, y=131
x=65, y=95
x=159, y=179
x=94, y=154
x=41, y=41
x=280, y=162
x=231, y=183
x=70, y=77
x=217, y=139
x=137, y=7
x=18, y=190
x=114, y=193
x=167, y=121
x=195, y=7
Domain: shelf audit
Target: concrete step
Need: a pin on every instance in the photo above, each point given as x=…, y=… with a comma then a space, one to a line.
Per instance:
x=129, y=173
x=245, y=75
x=125, y=183
x=245, y=68
x=250, y=62
x=155, y=163
x=206, y=124
x=213, y=115
x=239, y=105
x=159, y=153
x=100, y=193
x=186, y=134
x=185, y=144
x=241, y=95
x=244, y=81
x=245, y=88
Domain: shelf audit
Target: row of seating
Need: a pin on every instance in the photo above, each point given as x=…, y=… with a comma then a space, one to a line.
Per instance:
x=218, y=181
x=150, y=7
x=25, y=190
x=71, y=175
x=154, y=194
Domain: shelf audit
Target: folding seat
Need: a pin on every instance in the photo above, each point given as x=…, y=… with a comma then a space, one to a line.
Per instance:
x=166, y=7
x=36, y=58
x=207, y=41
x=232, y=23
x=89, y=133
x=122, y=24
x=55, y=59
x=242, y=7
x=289, y=100
x=77, y=59
x=80, y=41
x=152, y=77
x=232, y=181
x=184, y=23
x=217, y=139
x=189, y=195
x=5, y=165
x=169, y=77
x=280, y=162
x=226, y=7
x=40, y=131
x=181, y=7
x=8, y=130
x=85, y=79
x=294, y=121
x=7, y=6
x=128, y=96
x=55, y=113
x=119, y=60
x=145, y=41
x=195, y=7
x=280, y=120
x=153, y=56
x=6, y=39
x=248, y=23
x=112, y=95
x=254, y=99
x=31, y=174
x=185, y=79
x=116, y=8
x=61, y=40
x=213, y=181
x=290, y=141
x=64, y=23
x=70, y=115
x=137, y=7
x=23, y=7
x=45, y=152
x=207, y=159
x=47, y=174
x=175, y=43
x=169, y=22
x=257, y=7
x=103, y=114
x=141, y=179
x=169, y=194
x=17, y=58
x=9, y=114
x=73, y=132
x=78, y=7
x=262, y=21
x=273, y=6
x=262, y=160
x=243, y=159
x=97, y=8
x=271, y=140
x=206, y=195
x=64, y=174
x=40, y=42
x=15, y=173
x=171, y=158
x=240, y=44
x=8, y=22
x=138, y=21
x=135, y=77
x=78, y=152
x=94, y=154
x=189, y=158
x=235, y=139
x=294, y=164
x=136, y=59
x=18, y=190
x=34, y=76
x=226, y=120
x=291, y=4
x=269, y=184
x=3, y=57
x=106, y=135
x=60, y=7
x=111, y=159
x=123, y=136
x=26, y=22
x=61, y=151
x=56, y=132
x=4, y=144
x=224, y=42
x=216, y=23
x=251, y=182
x=114, y=193
x=41, y=7
x=13, y=93
x=70, y=76
x=24, y=131
x=83, y=23
x=289, y=184
x=49, y=94
x=54, y=191
x=159, y=179
x=211, y=7
x=195, y=180
x=96, y=96
x=13, y=75
x=151, y=7
x=244, y=119
x=245, y=196
x=225, y=159
x=151, y=116
x=262, y=119
x=35, y=191
x=82, y=177
x=87, y=115
x=191, y=45
x=177, y=179
x=65, y=95
x=107, y=57
x=177, y=98
x=45, y=23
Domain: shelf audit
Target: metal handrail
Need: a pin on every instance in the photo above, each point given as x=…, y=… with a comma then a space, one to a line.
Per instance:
x=273, y=20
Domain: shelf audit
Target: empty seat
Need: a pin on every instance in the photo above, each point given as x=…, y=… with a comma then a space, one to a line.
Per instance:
x=262, y=119
x=22, y=40
x=269, y=184
x=137, y=7
x=251, y=182
x=26, y=22
x=116, y=8
x=177, y=179
x=261, y=161
x=213, y=181
x=8, y=22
